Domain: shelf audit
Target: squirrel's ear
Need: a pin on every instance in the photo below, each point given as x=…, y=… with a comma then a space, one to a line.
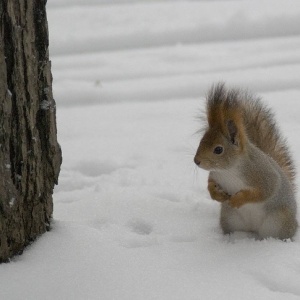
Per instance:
x=233, y=131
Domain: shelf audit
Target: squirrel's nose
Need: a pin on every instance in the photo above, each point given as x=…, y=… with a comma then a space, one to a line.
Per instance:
x=197, y=161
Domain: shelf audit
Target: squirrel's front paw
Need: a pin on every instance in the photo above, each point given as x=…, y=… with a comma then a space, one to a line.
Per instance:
x=237, y=200
x=217, y=193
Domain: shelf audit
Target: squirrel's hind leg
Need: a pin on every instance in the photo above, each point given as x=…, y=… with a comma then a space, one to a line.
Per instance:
x=280, y=224
x=231, y=220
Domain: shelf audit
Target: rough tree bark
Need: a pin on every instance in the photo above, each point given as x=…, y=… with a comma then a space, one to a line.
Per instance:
x=30, y=156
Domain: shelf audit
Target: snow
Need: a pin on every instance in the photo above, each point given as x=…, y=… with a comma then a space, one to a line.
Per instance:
x=132, y=215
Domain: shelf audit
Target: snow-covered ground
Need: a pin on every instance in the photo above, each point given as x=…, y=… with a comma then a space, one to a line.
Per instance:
x=132, y=216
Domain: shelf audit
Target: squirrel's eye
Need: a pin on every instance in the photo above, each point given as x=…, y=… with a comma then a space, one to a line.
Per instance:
x=218, y=150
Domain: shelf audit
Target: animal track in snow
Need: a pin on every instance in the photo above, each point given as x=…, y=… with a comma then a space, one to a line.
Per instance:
x=140, y=226
x=140, y=234
x=276, y=285
x=98, y=168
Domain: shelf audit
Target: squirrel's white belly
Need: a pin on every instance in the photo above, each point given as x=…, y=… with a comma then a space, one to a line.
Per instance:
x=228, y=181
x=248, y=217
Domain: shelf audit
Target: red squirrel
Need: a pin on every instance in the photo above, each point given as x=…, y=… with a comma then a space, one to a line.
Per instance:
x=250, y=168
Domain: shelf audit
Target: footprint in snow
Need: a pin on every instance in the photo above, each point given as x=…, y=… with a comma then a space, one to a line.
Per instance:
x=279, y=285
x=141, y=236
x=140, y=226
x=98, y=168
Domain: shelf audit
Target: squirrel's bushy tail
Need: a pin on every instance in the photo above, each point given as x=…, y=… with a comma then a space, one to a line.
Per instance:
x=259, y=124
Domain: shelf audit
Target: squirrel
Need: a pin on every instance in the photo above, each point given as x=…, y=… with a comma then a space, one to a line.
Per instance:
x=250, y=167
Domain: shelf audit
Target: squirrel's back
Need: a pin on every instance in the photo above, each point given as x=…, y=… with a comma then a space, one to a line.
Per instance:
x=258, y=122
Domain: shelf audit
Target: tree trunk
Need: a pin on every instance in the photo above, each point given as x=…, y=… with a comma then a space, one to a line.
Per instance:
x=30, y=156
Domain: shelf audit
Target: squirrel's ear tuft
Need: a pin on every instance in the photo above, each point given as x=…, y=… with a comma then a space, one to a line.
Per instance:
x=233, y=131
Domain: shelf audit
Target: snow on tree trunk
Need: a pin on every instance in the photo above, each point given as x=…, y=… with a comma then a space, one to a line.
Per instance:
x=30, y=156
